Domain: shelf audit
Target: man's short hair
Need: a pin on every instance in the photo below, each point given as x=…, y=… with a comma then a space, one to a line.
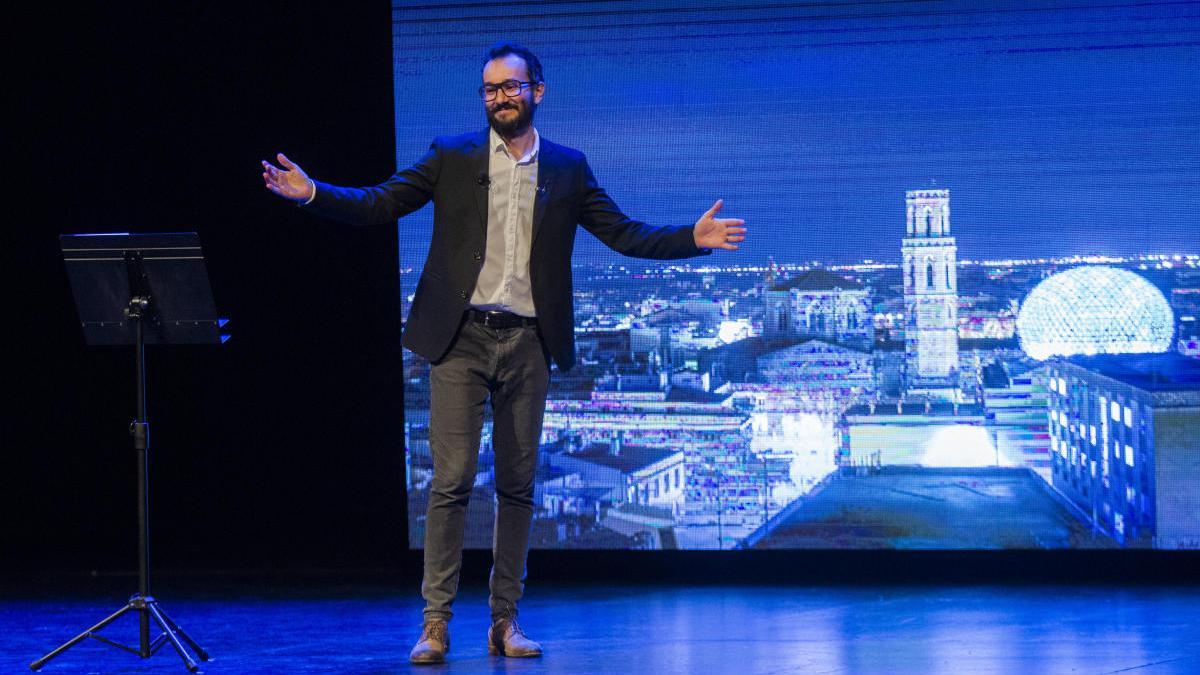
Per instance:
x=504, y=48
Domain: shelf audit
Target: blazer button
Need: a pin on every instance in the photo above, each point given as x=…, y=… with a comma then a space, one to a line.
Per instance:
x=462, y=294
x=478, y=256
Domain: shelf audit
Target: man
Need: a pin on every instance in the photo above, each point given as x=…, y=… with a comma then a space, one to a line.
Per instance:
x=492, y=310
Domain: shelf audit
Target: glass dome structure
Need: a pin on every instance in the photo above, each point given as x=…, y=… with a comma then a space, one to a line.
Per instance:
x=1094, y=309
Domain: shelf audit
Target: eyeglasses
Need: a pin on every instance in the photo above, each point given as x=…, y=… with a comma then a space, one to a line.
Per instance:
x=511, y=88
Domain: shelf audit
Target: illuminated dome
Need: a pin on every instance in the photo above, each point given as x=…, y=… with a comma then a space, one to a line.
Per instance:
x=1094, y=310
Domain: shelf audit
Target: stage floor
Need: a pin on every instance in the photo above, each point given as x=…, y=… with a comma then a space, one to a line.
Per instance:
x=327, y=627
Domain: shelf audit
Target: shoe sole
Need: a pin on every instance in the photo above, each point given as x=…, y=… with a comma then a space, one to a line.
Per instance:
x=430, y=659
x=495, y=651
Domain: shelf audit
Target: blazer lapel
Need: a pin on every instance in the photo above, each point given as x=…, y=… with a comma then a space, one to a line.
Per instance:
x=546, y=171
x=479, y=157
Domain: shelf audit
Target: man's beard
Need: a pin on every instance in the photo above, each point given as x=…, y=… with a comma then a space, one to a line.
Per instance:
x=518, y=123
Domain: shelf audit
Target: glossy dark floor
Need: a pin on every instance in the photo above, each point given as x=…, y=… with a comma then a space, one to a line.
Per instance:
x=331, y=628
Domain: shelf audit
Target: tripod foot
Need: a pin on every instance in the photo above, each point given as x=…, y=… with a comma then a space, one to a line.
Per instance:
x=183, y=634
x=169, y=631
x=37, y=665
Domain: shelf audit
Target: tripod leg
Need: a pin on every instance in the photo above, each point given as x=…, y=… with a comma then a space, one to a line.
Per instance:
x=183, y=634
x=171, y=637
x=37, y=665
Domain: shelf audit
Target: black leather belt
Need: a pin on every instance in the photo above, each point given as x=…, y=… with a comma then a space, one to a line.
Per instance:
x=497, y=319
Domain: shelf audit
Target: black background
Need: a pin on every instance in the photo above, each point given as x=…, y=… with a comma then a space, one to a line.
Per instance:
x=282, y=447
x=281, y=450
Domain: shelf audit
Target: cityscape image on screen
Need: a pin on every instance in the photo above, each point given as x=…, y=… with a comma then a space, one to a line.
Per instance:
x=869, y=370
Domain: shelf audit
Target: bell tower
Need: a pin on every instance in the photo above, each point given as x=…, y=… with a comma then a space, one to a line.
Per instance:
x=930, y=268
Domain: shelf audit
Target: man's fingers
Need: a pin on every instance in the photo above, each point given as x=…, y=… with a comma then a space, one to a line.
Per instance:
x=730, y=230
x=715, y=207
x=285, y=161
x=272, y=173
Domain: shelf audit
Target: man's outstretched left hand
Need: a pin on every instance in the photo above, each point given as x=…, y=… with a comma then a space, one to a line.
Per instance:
x=712, y=232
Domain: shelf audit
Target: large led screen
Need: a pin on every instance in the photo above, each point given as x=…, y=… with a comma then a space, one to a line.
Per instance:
x=966, y=312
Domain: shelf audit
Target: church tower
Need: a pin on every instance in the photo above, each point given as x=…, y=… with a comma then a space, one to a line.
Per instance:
x=930, y=293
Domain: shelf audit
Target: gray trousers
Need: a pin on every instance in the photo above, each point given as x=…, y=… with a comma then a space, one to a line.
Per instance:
x=507, y=366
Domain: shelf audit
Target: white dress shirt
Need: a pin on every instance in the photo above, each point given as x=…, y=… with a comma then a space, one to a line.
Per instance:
x=503, y=282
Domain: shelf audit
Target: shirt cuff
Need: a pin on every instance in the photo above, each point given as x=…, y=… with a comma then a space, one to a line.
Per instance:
x=313, y=196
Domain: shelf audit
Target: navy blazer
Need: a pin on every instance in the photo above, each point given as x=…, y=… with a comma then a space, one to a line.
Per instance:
x=453, y=173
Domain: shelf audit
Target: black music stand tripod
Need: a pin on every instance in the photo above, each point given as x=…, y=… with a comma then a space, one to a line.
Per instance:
x=139, y=289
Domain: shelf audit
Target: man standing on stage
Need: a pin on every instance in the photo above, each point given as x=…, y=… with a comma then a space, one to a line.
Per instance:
x=492, y=309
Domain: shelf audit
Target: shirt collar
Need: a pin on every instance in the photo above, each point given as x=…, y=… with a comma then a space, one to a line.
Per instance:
x=498, y=146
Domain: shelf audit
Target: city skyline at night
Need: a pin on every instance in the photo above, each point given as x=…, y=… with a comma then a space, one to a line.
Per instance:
x=734, y=406
x=854, y=376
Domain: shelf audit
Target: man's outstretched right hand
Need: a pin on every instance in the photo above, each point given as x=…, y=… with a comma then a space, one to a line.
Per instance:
x=289, y=182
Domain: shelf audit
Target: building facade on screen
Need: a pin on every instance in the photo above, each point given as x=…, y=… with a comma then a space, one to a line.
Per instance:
x=1126, y=448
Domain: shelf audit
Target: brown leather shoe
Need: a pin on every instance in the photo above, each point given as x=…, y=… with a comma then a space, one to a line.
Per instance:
x=434, y=643
x=506, y=637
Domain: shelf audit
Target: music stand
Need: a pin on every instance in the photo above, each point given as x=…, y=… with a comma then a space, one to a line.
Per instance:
x=139, y=289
